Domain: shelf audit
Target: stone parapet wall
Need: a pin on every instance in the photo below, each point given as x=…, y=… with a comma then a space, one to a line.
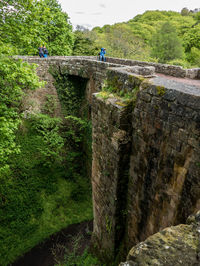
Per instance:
x=86, y=67
x=193, y=73
x=171, y=70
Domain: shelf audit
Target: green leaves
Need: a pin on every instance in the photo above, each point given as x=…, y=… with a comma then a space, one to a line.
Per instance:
x=15, y=78
x=192, y=38
x=134, y=39
x=76, y=130
x=48, y=133
x=84, y=43
x=194, y=57
x=34, y=23
x=166, y=44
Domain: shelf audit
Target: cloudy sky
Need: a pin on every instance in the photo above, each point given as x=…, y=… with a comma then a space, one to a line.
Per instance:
x=91, y=13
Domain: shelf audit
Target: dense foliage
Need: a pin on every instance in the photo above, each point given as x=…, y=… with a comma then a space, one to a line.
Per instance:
x=84, y=43
x=71, y=93
x=166, y=45
x=43, y=182
x=28, y=24
x=25, y=25
x=16, y=78
x=138, y=38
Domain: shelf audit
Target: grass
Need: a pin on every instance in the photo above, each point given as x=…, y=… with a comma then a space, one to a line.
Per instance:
x=73, y=257
x=59, y=211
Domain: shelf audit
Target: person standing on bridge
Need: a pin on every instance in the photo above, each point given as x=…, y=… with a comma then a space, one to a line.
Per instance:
x=41, y=53
x=45, y=52
x=102, y=54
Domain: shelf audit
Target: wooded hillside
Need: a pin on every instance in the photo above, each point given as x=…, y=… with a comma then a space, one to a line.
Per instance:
x=152, y=36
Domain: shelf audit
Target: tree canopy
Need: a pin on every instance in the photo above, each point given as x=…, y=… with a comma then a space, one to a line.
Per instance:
x=28, y=24
x=140, y=34
x=166, y=44
x=16, y=77
x=25, y=25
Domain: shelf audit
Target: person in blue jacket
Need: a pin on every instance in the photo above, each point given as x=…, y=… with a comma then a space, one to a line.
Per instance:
x=45, y=51
x=102, y=54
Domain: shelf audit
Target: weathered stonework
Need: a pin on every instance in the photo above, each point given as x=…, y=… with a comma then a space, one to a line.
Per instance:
x=176, y=245
x=110, y=164
x=86, y=64
x=146, y=154
x=34, y=101
x=85, y=67
x=171, y=70
x=163, y=167
x=164, y=183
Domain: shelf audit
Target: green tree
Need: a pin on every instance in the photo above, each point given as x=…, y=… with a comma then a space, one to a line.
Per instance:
x=194, y=56
x=133, y=39
x=38, y=192
x=55, y=29
x=123, y=43
x=197, y=18
x=84, y=43
x=166, y=45
x=28, y=24
x=192, y=38
x=16, y=77
x=185, y=11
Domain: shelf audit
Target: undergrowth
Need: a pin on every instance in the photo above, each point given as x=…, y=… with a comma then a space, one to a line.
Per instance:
x=45, y=187
x=73, y=256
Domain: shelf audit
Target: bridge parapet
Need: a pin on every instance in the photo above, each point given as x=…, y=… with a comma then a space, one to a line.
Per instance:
x=171, y=70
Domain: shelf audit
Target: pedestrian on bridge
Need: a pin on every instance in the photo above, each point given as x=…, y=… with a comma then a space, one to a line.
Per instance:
x=45, y=51
x=102, y=54
x=41, y=53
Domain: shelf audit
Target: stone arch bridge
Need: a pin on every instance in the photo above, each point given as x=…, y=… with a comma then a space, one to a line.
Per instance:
x=146, y=154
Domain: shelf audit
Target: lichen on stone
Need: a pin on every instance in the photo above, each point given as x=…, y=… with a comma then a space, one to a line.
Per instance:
x=160, y=90
x=176, y=245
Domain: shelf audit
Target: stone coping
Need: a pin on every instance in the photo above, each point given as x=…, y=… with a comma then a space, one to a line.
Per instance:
x=124, y=72
x=171, y=70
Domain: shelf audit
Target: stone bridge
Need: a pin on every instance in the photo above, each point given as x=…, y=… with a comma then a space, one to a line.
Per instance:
x=146, y=153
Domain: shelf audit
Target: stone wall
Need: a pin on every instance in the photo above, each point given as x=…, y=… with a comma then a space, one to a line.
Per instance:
x=171, y=70
x=160, y=185
x=34, y=101
x=86, y=67
x=74, y=63
x=164, y=172
x=110, y=165
x=146, y=156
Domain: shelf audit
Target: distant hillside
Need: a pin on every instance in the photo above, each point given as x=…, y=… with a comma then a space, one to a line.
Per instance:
x=135, y=39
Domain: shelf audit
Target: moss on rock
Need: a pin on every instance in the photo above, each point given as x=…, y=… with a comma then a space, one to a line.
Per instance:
x=176, y=245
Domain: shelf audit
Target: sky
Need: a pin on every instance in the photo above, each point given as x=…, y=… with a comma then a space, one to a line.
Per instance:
x=92, y=13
